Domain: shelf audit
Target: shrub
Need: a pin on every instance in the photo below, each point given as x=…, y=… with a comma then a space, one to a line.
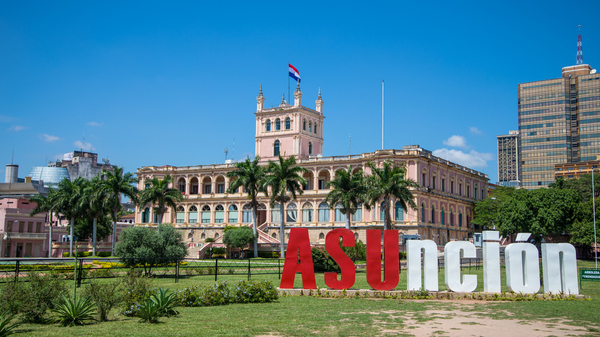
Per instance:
x=135, y=291
x=218, y=251
x=39, y=292
x=255, y=292
x=105, y=296
x=103, y=254
x=216, y=294
x=65, y=254
x=165, y=302
x=5, y=327
x=148, y=312
x=74, y=311
x=10, y=294
x=189, y=297
x=322, y=261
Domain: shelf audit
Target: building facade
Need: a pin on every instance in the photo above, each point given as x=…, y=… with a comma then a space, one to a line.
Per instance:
x=508, y=159
x=576, y=170
x=21, y=235
x=559, y=123
x=445, y=199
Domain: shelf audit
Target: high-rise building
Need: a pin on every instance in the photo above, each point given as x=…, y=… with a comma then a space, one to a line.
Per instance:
x=508, y=159
x=559, y=122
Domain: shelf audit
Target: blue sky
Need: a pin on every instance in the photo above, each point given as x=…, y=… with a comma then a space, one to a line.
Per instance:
x=157, y=83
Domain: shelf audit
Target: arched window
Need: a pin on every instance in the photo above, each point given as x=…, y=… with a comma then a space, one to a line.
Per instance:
x=205, y=214
x=443, y=223
x=309, y=148
x=315, y=128
x=304, y=125
x=357, y=216
x=276, y=148
x=356, y=236
x=268, y=125
x=339, y=216
x=247, y=213
x=219, y=214
x=307, y=212
x=193, y=214
x=321, y=236
x=323, y=212
x=309, y=126
x=467, y=223
x=146, y=215
x=422, y=212
x=432, y=214
x=277, y=124
x=233, y=214
x=451, y=218
x=194, y=186
x=382, y=211
x=399, y=211
x=202, y=236
x=180, y=214
x=459, y=219
x=182, y=185
x=291, y=213
x=216, y=235
x=276, y=214
x=288, y=123
x=274, y=235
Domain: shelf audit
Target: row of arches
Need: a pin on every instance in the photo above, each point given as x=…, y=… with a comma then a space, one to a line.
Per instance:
x=207, y=186
x=276, y=125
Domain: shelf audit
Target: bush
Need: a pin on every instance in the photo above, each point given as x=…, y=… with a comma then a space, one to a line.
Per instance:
x=74, y=311
x=10, y=294
x=135, y=291
x=189, y=297
x=147, y=312
x=322, y=262
x=218, y=251
x=216, y=294
x=255, y=292
x=105, y=296
x=165, y=302
x=264, y=255
x=103, y=254
x=38, y=295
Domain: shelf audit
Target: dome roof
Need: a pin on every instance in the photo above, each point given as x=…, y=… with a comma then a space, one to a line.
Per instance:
x=50, y=175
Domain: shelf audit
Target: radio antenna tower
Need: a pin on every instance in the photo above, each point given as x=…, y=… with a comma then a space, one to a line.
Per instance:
x=579, y=48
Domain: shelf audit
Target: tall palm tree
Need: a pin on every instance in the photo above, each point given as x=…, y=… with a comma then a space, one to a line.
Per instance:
x=251, y=176
x=46, y=203
x=115, y=184
x=349, y=189
x=162, y=195
x=283, y=177
x=387, y=182
x=67, y=197
x=92, y=206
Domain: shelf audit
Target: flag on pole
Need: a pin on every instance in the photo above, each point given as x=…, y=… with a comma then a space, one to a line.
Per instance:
x=294, y=72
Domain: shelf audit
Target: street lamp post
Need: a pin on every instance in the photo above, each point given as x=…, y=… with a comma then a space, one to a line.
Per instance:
x=594, y=206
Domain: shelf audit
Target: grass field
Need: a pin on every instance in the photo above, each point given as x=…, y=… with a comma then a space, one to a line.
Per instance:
x=304, y=316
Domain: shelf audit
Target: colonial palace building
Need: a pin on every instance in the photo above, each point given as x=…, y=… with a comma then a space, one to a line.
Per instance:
x=445, y=199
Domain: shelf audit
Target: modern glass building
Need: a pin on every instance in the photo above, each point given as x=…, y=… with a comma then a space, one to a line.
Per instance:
x=508, y=159
x=50, y=175
x=559, y=122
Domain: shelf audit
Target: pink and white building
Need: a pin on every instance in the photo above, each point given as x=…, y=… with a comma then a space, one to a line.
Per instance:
x=445, y=199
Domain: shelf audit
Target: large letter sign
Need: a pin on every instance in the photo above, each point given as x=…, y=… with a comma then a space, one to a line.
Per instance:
x=413, y=268
x=452, y=266
x=522, y=263
x=298, y=249
x=522, y=268
x=332, y=244
x=391, y=259
x=560, y=268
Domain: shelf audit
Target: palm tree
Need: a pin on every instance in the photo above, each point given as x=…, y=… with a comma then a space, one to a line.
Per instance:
x=349, y=189
x=251, y=176
x=284, y=177
x=160, y=194
x=116, y=184
x=67, y=197
x=92, y=206
x=387, y=182
x=46, y=204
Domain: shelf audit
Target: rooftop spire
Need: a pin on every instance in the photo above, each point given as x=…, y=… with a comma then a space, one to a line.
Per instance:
x=260, y=91
x=283, y=102
x=319, y=94
x=579, y=48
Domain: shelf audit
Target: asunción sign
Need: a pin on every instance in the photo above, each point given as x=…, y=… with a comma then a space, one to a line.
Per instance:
x=521, y=261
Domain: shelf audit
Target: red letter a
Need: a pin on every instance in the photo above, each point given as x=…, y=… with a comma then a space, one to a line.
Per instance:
x=390, y=245
x=299, y=241
x=332, y=244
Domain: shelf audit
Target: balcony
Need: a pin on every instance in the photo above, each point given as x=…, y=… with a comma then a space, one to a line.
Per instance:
x=27, y=236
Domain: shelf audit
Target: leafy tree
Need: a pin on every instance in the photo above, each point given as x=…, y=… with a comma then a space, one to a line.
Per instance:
x=387, y=182
x=539, y=212
x=116, y=184
x=67, y=197
x=239, y=237
x=46, y=203
x=147, y=247
x=91, y=207
x=283, y=177
x=84, y=228
x=251, y=176
x=162, y=195
x=486, y=210
x=349, y=189
x=582, y=231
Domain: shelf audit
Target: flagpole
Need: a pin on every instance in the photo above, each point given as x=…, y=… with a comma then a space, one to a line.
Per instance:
x=382, y=104
x=288, y=82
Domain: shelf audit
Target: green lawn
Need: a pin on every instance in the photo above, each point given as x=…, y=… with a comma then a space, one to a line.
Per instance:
x=304, y=316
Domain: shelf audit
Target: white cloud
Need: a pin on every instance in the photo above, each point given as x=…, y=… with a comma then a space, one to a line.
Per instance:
x=49, y=138
x=17, y=128
x=473, y=159
x=94, y=124
x=6, y=119
x=457, y=141
x=83, y=145
x=474, y=130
